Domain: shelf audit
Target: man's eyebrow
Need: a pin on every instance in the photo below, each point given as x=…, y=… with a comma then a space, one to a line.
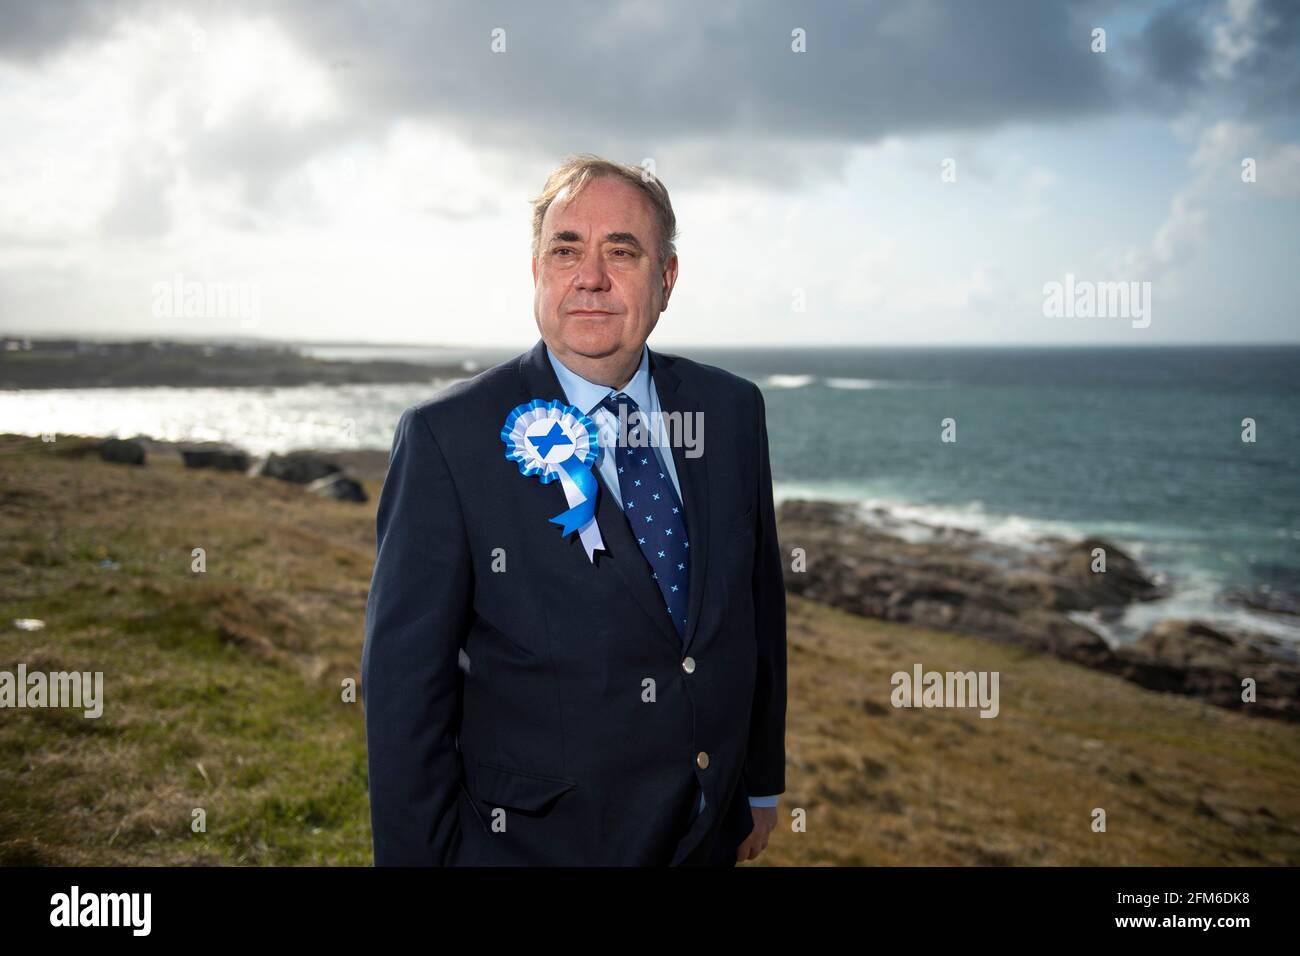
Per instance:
x=623, y=237
x=568, y=235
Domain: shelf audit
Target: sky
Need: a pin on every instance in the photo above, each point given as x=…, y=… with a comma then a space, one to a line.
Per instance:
x=842, y=173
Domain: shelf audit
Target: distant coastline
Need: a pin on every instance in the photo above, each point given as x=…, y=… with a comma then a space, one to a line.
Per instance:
x=27, y=363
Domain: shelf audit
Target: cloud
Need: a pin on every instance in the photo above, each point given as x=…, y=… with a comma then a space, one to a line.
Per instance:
x=1175, y=47
x=627, y=81
x=1240, y=57
x=640, y=84
x=34, y=30
x=704, y=89
x=1216, y=164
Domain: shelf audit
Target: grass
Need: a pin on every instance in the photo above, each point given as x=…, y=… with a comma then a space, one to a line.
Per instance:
x=1180, y=782
x=224, y=689
x=224, y=695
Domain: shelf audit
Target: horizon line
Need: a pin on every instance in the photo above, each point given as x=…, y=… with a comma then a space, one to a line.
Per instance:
x=181, y=338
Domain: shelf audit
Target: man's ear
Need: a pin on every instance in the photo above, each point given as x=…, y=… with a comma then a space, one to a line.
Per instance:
x=669, y=279
x=534, y=270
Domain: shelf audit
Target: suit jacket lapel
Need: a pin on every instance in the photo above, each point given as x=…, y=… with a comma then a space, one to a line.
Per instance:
x=693, y=475
x=621, y=553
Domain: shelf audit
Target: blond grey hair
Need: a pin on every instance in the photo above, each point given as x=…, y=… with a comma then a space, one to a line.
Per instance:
x=577, y=171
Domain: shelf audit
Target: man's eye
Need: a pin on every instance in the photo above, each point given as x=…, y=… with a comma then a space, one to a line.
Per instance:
x=558, y=251
x=624, y=251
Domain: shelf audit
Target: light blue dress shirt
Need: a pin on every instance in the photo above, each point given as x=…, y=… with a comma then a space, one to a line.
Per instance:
x=586, y=396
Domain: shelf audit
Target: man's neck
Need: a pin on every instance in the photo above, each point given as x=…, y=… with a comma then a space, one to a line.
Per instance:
x=613, y=371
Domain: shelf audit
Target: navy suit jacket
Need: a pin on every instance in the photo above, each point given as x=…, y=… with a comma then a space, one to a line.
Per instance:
x=506, y=710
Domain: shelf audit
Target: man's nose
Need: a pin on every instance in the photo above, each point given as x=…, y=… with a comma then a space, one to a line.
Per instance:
x=592, y=274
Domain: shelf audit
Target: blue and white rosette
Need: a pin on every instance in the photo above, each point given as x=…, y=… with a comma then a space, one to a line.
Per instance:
x=553, y=440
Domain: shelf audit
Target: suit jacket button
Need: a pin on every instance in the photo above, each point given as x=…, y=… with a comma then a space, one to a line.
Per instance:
x=702, y=760
x=688, y=665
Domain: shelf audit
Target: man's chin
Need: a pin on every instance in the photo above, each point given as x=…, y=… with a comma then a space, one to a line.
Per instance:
x=594, y=346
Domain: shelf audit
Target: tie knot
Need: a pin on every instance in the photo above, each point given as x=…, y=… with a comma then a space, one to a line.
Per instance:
x=629, y=417
x=612, y=401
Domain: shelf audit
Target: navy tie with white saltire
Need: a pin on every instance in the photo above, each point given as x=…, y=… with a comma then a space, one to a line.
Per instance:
x=653, y=511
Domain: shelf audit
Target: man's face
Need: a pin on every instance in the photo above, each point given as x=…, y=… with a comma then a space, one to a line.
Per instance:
x=598, y=287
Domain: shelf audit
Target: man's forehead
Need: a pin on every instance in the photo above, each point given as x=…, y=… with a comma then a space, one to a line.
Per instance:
x=625, y=204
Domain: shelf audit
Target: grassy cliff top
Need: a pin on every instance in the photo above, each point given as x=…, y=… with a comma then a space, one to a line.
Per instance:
x=223, y=692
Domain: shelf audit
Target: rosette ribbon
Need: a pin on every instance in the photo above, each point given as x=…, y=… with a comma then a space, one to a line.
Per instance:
x=553, y=440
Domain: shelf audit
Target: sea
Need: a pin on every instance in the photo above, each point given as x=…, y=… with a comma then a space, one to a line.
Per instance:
x=1188, y=458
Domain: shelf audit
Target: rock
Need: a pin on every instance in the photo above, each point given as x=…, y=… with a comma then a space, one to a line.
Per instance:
x=1035, y=589
x=1264, y=597
x=1186, y=642
x=299, y=467
x=121, y=451
x=219, y=458
x=1059, y=635
x=1196, y=643
x=339, y=487
x=1192, y=657
x=1080, y=588
x=815, y=512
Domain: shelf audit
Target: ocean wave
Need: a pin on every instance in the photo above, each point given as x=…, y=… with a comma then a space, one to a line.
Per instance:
x=920, y=522
x=1010, y=530
x=859, y=384
x=1195, y=595
x=789, y=381
x=854, y=384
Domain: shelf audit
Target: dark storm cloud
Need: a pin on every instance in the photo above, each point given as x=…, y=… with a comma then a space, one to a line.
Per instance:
x=1179, y=44
x=1176, y=48
x=1272, y=69
x=670, y=69
x=29, y=28
x=642, y=79
x=643, y=74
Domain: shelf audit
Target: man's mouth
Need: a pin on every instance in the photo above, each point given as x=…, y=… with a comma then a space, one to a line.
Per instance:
x=589, y=312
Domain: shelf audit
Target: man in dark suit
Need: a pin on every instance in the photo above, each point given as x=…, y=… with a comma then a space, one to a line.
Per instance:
x=584, y=687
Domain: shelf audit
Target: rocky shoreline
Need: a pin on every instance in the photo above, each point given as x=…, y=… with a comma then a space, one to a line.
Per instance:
x=954, y=580
x=336, y=475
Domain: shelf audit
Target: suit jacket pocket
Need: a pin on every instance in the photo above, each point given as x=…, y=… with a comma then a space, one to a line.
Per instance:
x=518, y=789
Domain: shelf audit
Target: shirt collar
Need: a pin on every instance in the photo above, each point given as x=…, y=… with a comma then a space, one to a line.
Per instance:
x=587, y=395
